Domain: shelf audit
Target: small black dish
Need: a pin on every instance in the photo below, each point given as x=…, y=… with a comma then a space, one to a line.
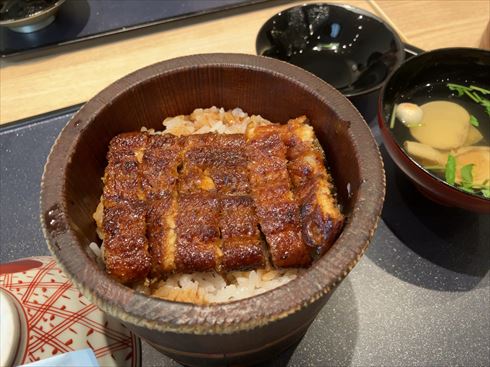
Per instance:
x=348, y=47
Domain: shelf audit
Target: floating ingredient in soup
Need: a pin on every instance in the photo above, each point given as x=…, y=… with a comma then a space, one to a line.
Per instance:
x=450, y=173
x=409, y=114
x=474, y=121
x=444, y=125
x=479, y=158
x=473, y=92
x=474, y=136
x=425, y=154
x=444, y=140
x=461, y=175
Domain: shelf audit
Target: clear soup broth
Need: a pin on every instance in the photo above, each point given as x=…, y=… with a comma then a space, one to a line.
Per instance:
x=451, y=142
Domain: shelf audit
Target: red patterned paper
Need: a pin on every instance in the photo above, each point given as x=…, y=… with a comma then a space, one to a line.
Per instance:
x=60, y=319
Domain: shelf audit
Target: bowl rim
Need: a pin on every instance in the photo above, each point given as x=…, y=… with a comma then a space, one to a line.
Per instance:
x=166, y=316
x=354, y=10
x=384, y=126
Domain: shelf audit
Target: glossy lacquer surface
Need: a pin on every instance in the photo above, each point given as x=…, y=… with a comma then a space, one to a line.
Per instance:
x=347, y=47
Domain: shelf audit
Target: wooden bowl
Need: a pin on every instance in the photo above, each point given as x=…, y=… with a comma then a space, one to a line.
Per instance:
x=240, y=332
x=452, y=65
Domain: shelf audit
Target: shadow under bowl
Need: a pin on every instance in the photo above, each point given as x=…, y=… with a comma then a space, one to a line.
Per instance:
x=348, y=47
x=240, y=332
x=450, y=65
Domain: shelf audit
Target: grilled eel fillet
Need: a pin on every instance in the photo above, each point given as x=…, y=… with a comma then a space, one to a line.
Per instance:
x=217, y=227
x=191, y=202
x=312, y=186
x=195, y=203
x=159, y=172
x=276, y=207
x=124, y=221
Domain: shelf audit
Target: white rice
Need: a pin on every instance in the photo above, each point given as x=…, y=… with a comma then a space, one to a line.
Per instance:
x=209, y=287
x=209, y=120
x=212, y=287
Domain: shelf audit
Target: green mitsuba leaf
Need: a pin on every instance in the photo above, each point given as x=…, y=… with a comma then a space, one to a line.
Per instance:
x=450, y=172
x=467, y=175
x=474, y=121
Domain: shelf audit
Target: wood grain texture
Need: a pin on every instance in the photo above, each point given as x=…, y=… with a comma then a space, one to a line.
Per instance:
x=430, y=24
x=72, y=75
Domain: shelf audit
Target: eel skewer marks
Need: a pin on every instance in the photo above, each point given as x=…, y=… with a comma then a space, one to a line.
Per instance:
x=200, y=202
x=276, y=208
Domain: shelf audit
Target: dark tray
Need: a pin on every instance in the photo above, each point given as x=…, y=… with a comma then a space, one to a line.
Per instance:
x=419, y=296
x=79, y=20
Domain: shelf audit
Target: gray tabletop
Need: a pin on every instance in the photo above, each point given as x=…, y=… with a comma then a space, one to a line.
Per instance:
x=419, y=296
